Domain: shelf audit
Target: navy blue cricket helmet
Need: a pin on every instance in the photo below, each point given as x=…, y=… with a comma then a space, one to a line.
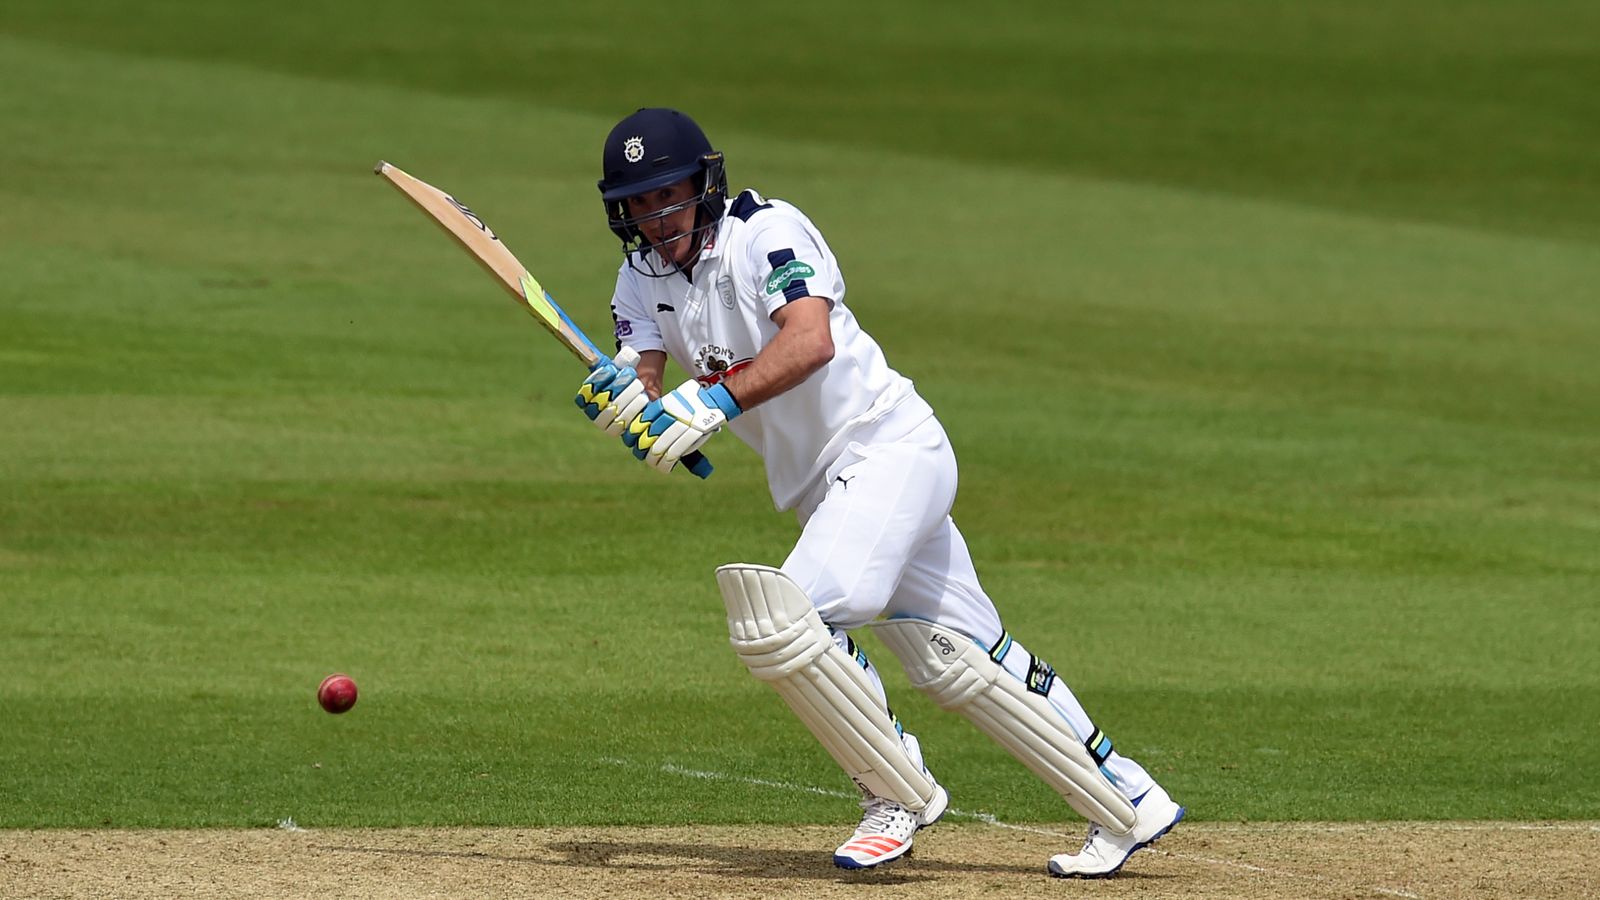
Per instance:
x=651, y=149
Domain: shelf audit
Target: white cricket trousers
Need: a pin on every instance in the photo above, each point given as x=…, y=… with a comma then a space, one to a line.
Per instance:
x=877, y=540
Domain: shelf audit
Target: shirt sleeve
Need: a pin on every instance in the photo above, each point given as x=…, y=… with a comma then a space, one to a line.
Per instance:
x=789, y=262
x=632, y=323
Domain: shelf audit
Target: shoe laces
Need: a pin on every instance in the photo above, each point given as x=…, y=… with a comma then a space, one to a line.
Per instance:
x=1094, y=832
x=880, y=813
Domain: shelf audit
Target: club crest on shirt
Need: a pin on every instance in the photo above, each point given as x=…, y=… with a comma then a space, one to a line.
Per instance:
x=725, y=291
x=716, y=363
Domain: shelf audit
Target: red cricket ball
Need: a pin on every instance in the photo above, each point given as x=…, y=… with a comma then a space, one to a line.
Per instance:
x=337, y=693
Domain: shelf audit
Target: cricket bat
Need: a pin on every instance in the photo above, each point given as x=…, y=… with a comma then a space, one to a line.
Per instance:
x=485, y=246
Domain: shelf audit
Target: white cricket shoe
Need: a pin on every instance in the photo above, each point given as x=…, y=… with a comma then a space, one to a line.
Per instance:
x=886, y=830
x=1104, y=853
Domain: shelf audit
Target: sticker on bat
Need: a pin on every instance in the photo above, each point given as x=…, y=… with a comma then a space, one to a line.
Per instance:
x=472, y=217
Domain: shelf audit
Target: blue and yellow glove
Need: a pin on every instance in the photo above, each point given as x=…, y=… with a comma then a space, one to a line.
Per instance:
x=613, y=394
x=670, y=428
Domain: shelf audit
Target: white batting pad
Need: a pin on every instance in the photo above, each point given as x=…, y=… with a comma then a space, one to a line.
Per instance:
x=781, y=639
x=959, y=675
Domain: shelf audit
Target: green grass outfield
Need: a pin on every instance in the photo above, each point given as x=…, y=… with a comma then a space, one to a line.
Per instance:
x=1269, y=342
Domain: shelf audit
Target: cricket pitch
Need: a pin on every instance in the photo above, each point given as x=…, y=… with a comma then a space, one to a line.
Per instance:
x=1303, y=860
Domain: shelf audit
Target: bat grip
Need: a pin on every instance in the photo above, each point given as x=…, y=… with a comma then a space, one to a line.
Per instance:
x=697, y=464
x=694, y=461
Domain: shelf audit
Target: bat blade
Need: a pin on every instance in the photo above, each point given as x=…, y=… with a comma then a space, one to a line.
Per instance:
x=460, y=222
x=470, y=231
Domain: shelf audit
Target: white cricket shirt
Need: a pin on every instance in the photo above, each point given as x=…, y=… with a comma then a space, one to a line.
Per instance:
x=766, y=253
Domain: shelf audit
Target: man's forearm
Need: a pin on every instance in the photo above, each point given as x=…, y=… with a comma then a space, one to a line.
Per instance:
x=803, y=345
x=652, y=365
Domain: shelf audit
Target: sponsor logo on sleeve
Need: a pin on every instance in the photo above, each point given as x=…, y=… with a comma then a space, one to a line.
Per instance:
x=624, y=328
x=791, y=271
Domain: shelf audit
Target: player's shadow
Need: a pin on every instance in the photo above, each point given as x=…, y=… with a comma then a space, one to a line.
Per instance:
x=731, y=862
x=760, y=862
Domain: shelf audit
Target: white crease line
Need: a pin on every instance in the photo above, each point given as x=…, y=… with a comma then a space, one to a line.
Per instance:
x=989, y=819
x=783, y=785
x=984, y=817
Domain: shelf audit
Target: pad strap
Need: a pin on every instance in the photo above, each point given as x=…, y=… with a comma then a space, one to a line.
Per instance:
x=966, y=677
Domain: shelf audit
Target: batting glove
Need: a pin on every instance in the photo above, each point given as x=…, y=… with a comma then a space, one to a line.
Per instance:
x=678, y=423
x=613, y=395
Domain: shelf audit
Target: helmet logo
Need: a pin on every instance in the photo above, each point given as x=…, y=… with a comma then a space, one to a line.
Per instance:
x=633, y=149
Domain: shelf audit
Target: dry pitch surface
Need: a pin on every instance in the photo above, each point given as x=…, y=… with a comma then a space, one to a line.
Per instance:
x=1467, y=859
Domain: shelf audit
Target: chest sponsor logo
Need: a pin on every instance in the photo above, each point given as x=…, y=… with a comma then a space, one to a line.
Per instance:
x=793, y=270
x=716, y=363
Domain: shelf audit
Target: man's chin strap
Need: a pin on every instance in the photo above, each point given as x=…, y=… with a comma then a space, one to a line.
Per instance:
x=655, y=266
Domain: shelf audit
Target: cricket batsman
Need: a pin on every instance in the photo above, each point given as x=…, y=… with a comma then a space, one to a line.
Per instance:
x=743, y=293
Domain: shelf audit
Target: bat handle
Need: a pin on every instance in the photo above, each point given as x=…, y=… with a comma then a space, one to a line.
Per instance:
x=697, y=464
x=696, y=461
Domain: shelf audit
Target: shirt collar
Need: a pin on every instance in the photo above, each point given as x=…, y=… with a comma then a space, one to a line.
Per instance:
x=718, y=236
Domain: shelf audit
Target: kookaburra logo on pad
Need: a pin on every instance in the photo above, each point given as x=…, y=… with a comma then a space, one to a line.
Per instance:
x=633, y=148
